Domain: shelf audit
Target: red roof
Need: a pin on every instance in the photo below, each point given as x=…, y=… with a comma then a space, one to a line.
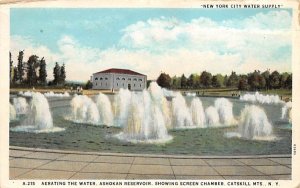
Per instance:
x=120, y=71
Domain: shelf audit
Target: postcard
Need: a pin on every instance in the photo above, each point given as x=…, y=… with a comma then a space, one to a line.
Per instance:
x=149, y=94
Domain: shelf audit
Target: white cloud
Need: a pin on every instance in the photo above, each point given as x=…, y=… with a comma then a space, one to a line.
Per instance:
x=176, y=47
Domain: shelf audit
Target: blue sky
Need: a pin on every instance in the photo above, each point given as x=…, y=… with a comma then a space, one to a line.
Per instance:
x=155, y=40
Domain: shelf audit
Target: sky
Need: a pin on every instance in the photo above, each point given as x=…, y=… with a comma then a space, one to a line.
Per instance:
x=151, y=41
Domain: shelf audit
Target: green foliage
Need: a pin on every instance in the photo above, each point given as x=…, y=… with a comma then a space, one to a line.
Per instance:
x=164, y=80
x=11, y=69
x=205, y=79
x=43, y=72
x=218, y=80
x=275, y=80
x=56, y=74
x=88, y=85
x=62, y=77
x=243, y=83
x=32, y=64
x=183, y=81
x=256, y=81
x=233, y=80
x=20, y=67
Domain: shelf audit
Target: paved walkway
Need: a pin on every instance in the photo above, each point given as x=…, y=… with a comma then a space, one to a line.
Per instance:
x=28, y=163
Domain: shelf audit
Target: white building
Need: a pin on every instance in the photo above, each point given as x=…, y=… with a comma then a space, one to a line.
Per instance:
x=114, y=79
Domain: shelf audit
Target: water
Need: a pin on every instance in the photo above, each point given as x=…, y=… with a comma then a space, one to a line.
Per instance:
x=181, y=115
x=224, y=108
x=286, y=112
x=145, y=117
x=105, y=109
x=52, y=94
x=39, y=118
x=12, y=113
x=197, y=112
x=253, y=124
x=21, y=105
x=212, y=117
x=84, y=110
x=121, y=106
x=128, y=120
x=204, y=141
x=260, y=98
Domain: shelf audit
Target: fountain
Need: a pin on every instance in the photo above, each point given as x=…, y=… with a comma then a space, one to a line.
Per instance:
x=224, y=108
x=212, y=117
x=286, y=111
x=159, y=98
x=20, y=104
x=145, y=121
x=39, y=117
x=61, y=95
x=84, y=110
x=105, y=109
x=181, y=114
x=121, y=105
x=260, y=98
x=12, y=113
x=253, y=124
x=197, y=113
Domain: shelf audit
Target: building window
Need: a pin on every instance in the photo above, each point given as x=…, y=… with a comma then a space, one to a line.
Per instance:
x=140, y=80
x=123, y=78
x=106, y=84
x=118, y=78
x=96, y=83
x=129, y=79
x=117, y=84
x=96, y=78
x=106, y=78
x=133, y=85
x=140, y=85
x=123, y=84
x=101, y=78
x=135, y=79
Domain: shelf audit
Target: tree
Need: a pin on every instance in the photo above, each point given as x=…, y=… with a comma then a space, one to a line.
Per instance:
x=88, y=85
x=256, y=81
x=32, y=64
x=164, y=80
x=289, y=82
x=190, y=81
x=20, y=67
x=11, y=69
x=205, y=79
x=183, y=81
x=196, y=80
x=175, y=82
x=266, y=75
x=217, y=80
x=15, y=75
x=243, y=83
x=275, y=80
x=62, y=77
x=283, y=78
x=233, y=80
x=43, y=72
x=56, y=74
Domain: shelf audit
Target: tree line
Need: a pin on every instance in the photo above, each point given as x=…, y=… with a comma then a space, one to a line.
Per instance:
x=252, y=81
x=34, y=72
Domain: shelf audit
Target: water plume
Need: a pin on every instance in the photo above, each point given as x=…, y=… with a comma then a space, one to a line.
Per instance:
x=105, y=109
x=181, y=114
x=39, y=117
x=224, y=108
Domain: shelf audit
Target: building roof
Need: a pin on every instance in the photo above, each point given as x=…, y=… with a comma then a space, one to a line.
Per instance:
x=120, y=71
